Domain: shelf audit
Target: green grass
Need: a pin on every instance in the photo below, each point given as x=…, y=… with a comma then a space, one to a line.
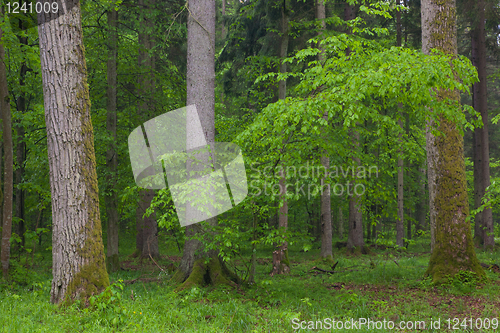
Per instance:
x=384, y=285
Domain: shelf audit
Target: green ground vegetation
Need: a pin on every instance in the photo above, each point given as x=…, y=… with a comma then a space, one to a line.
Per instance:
x=386, y=284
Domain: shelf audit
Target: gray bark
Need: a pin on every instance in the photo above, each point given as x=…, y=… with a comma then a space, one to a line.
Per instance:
x=78, y=259
x=111, y=198
x=201, y=93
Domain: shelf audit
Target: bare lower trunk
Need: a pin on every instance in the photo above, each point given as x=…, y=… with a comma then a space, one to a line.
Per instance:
x=341, y=223
x=8, y=160
x=281, y=264
x=78, y=265
x=420, y=207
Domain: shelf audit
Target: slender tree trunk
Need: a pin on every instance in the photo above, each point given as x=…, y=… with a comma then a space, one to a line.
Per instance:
x=111, y=198
x=281, y=263
x=326, y=213
x=453, y=249
x=78, y=264
x=222, y=19
x=8, y=160
x=341, y=222
x=400, y=220
x=147, y=235
x=21, y=148
x=420, y=209
x=484, y=220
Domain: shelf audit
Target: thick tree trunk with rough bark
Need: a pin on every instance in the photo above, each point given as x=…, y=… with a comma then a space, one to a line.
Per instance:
x=453, y=249
x=110, y=198
x=484, y=221
x=8, y=160
x=78, y=268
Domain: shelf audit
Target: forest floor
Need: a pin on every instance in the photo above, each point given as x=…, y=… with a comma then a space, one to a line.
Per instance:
x=386, y=285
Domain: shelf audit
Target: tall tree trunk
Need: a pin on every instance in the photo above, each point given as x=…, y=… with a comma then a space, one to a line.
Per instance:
x=201, y=93
x=453, y=249
x=78, y=267
x=484, y=220
x=281, y=263
x=326, y=213
x=355, y=239
x=400, y=220
x=147, y=235
x=8, y=160
x=110, y=198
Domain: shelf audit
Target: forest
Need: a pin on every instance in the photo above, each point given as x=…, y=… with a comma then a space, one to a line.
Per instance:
x=249, y=165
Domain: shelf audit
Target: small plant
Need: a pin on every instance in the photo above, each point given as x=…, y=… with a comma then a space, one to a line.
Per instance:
x=109, y=305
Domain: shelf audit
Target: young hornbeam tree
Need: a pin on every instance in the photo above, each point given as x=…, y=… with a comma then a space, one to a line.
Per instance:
x=452, y=243
x=8, y=159
x=110, y=198
x=78, y=259
x=326, y=210
x=483, y=231
x=193, y=269
x=281, y=264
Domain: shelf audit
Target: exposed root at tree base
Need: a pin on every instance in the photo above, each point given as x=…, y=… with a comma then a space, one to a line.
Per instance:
x=214, y=273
